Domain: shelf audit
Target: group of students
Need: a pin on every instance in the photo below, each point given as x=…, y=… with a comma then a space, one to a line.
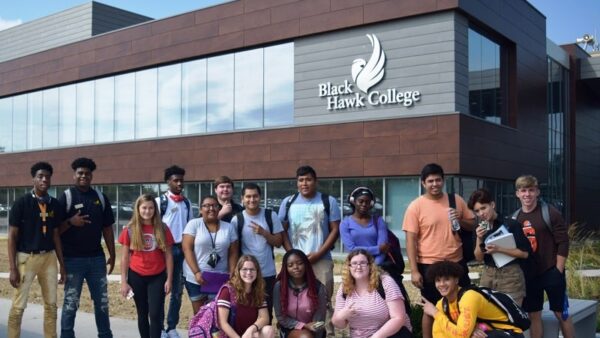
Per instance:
x=164, y=248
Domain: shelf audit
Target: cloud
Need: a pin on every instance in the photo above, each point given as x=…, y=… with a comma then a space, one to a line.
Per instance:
x=4, y=23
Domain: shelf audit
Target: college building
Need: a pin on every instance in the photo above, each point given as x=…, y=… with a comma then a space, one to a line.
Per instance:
x=365, y=91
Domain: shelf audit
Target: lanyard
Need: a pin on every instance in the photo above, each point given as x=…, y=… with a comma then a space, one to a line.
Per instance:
x=43, y=215
x=212, y=240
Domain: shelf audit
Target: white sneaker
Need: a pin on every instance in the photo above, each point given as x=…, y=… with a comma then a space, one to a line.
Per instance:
x=163, y=334
x=172, y=334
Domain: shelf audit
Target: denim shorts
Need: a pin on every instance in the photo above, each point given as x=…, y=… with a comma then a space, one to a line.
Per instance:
x=195, y=292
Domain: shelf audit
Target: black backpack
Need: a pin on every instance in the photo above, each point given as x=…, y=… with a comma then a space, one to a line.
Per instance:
x=468, y=245
x=164, y=202
x=324, y=199
x=516, y=315
x=240, y=226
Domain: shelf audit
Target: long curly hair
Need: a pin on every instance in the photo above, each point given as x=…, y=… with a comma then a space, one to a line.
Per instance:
x=135, y=224
x=348, y=282
x=257, y=291
x=309, y=278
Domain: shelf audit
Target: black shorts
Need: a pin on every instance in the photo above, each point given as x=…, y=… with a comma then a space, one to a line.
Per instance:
x=555, y=285
x=429, y=291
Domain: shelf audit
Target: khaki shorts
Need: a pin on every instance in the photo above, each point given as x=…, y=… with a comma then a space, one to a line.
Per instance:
x=508, y=279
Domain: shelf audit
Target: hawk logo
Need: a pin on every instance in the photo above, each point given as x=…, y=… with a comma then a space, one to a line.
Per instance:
x=367, y=74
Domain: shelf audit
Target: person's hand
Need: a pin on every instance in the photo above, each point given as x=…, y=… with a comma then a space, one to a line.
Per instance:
x=560, y=269
x=428, y=307
x=198, y=278
x=125, y=288
x=416, y=279
x=478, y=333
x=63, y=275
x=348, y=311
x=480, y=232
x=492, y=248
x=384, y=248
x=312, y=257
x=453, y=214
x=257, y=229
x=79, y=220
x=225, y=209
x=168, y=284
x=15, y=278
x=250, y=332
x=111, y=264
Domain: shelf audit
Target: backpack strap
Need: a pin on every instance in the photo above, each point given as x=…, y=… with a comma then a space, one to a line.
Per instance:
x=545, y=214
x=288, y=204
x=163, y=204
x=452, y=200
x=326, y=205
x=269, y=219
x=101, y=198
x=446, y=306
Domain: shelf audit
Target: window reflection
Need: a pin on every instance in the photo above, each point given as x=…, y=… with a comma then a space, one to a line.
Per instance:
x=19, y=139
x=145, y=104
x=124, y=106
x=399, y=192
x=169, y=100
x=6, y=125
x=279, y=85
x=105, y=110
x=50, y=132
x=220, y=93
x=127, y=193
x=34, y=120
x=249, y=89
x=85, y=112
x=485, y=84
x=67, y=115
x=193, y=94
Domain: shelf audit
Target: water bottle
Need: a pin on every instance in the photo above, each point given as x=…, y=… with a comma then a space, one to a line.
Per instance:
x=454, y=222
x=565, y=311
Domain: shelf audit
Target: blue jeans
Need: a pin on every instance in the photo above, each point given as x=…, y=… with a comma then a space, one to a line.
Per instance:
x=176, y=288
x=93, y=270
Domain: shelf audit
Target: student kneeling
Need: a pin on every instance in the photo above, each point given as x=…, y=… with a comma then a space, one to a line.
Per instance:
x=467, y=317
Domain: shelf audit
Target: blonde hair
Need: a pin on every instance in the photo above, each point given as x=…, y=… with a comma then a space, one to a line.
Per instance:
x=257, y=290
x=526, y=181
x=348, y=282
x=135, y=224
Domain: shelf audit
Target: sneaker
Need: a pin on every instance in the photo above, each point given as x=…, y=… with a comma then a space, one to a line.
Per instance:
x=172, y=334
x=163, y=334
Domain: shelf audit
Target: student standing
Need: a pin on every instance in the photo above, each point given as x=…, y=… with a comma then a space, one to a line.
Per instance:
x=147, y=265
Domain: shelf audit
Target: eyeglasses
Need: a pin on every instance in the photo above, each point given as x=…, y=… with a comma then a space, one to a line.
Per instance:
x=210, y=206
x=248, y=270
x=357, y=264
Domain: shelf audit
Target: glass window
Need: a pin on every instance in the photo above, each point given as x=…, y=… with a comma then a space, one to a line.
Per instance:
x=6, y=124
x=399, y=192
x=105, y=110
x=192, y=192
x=150, y=189
x=279, y=85
x=486, y=86
x=124, y=107
x=127, y=193
x=193, y=96
x=145, y=104
x=169, y=100
x=51, y=113
x=249, y=89
x=111, y=193
x=19, y=139
x=4, y=211
x=34, y=120
x=220, y=93
x=277, y=191
x=85, y=112
x=67, y=115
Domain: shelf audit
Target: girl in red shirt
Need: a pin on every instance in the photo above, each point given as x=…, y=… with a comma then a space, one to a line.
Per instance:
x=147, y=265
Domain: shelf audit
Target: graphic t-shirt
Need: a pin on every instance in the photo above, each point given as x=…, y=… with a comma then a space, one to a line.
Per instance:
x=150, y=260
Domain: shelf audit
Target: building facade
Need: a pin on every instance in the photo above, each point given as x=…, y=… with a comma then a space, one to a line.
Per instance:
x=365, y=91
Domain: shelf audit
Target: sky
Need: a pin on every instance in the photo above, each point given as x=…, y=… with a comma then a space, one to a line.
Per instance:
x=566, y=20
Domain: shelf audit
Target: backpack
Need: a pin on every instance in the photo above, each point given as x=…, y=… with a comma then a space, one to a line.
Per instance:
x=205, y=324
x=516, y=315
x=466, y=237
x=240, y=226
x=545, y=214
x=164, y=202
x=288, y=204
x=69, y=199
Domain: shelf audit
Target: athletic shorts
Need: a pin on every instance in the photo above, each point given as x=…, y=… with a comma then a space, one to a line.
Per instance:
x=555, y=285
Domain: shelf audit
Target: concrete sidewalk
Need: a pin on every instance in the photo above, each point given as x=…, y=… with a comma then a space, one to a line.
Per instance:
x=85, y=325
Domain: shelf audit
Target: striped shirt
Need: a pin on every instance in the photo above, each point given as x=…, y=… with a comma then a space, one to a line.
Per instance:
x=371, y=311
x=245, y=315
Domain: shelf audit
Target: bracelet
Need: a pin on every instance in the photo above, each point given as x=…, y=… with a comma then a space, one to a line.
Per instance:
x=197, y=272
x=256, y=326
